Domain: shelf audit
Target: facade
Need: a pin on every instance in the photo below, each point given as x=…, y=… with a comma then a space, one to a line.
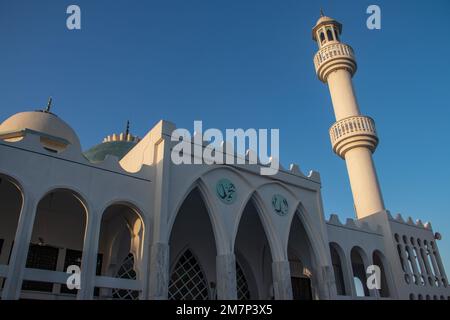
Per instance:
x=141, y=227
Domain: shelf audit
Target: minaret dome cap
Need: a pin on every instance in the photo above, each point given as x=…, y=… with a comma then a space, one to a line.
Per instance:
x=324, y=20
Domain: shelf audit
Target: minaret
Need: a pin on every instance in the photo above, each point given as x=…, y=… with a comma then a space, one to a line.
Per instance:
x=353, y=136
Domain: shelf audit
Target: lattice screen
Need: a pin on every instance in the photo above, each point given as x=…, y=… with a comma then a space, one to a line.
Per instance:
x=126, y=271
x=187, y=281
x=243, y=292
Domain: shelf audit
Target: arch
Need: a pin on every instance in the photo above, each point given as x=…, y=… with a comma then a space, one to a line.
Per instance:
x=193, y=231
x=336, y=34
x=322, y=37
x=278, y=250
x=257, y=202
x=337, y=258
x=358, y=259
x=57, y=238
x=330, y=36
x=11, y=206
x=252, y=241
x=216, y=224
x=302, y=261
x=120, y=247
x=379, y=260
x=314, y=236
x=187, y=279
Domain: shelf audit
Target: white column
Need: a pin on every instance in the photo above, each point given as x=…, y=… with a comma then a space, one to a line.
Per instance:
x=226, y=277
x=159, y=271
x=89, y=256
x=19, y=254
x=347, y=264
x=364, y=182
x=342, y=94
x=60, y=267
x=282, y=285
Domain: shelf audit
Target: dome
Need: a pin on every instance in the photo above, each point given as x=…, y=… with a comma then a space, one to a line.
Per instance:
x=42, y=122
x=116, y=148
x=324, y=19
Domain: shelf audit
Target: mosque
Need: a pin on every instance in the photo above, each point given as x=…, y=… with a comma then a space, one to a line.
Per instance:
x=141, y=227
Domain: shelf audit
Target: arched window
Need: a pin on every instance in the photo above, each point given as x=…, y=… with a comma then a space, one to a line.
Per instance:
x=336, y=36
x=188, y=281
x=378, y=261
x=243, y=293
x=359, y=272
x=322, y=37
x=330, y=35
x=337, y=268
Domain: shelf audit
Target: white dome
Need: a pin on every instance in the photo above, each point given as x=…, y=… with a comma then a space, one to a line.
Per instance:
x=44, y=122
x=324, y=19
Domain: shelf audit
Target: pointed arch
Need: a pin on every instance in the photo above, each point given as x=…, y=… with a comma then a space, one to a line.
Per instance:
x=314, y=236
x=252, y=241
x=193, y=230
x=302, y=260
x=216, y=223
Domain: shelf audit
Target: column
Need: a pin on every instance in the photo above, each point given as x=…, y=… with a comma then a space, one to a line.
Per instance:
x=348, y=276
x=159, y=271
x=19, y=254
x=89, y=257
x=226, y=277
x=412, y=258
x=281, y=274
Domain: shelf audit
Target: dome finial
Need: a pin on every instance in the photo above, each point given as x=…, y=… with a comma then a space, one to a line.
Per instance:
x=127, y=130
x=321, y=12
x=49, y=104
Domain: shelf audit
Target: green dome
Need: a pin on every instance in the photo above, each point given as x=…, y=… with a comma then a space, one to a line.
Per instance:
x=116, y=148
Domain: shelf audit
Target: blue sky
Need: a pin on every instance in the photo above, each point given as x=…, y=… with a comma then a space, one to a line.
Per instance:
x=246, y=64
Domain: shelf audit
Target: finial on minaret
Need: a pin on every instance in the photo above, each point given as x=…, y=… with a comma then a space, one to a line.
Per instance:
x=127, y=130
x=49, y=104
x=321, y=12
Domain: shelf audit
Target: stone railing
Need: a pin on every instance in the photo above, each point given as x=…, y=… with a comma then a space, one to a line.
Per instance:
x=351, y=132
x=340, y=54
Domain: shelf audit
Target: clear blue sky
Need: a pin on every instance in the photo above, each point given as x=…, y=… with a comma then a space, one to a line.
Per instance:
x=246, y=64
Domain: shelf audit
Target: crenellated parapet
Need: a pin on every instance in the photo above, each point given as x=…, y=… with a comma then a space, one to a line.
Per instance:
x=410, y=222
x=357, y=225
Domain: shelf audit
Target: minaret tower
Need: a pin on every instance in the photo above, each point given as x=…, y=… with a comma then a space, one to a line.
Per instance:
x=353, y=136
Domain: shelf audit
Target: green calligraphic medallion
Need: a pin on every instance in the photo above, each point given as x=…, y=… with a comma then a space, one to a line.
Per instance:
x=280, y=205
x=226, y=191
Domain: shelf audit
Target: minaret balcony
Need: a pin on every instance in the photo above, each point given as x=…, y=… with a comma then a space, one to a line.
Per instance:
x=332, y=57
x=352, y=132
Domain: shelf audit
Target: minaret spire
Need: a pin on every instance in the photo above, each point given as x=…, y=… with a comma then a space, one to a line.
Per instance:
x=127, y=130
x=353, y=136
x=49, y=104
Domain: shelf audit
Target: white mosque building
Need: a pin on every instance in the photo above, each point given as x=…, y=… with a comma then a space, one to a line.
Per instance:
x=141, y=227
